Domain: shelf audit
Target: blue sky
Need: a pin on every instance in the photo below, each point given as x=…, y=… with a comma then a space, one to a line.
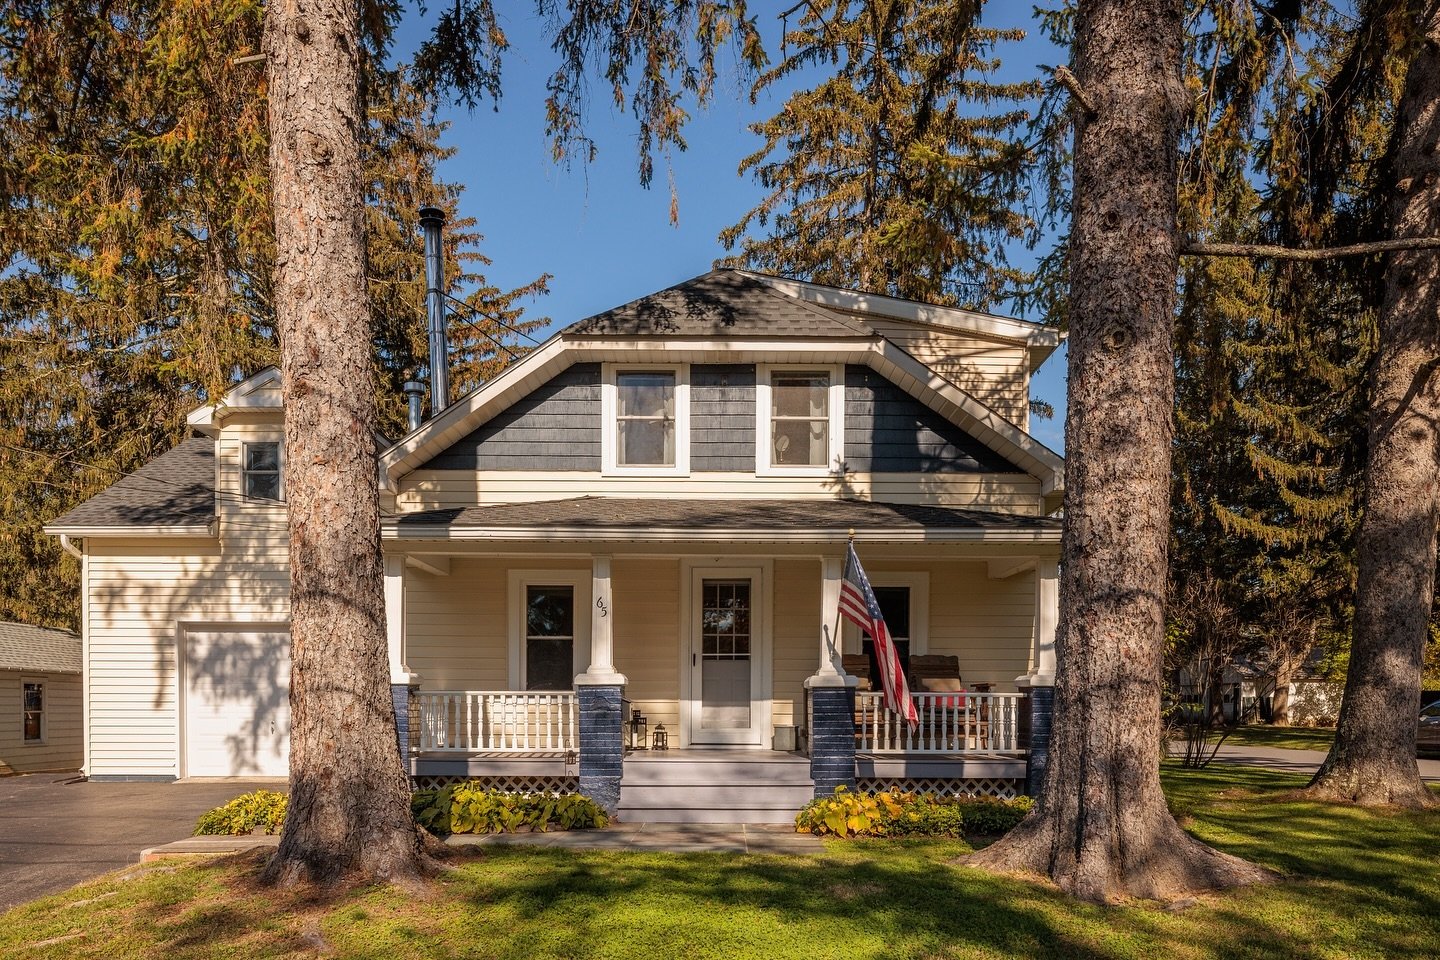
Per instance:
x=604, y=238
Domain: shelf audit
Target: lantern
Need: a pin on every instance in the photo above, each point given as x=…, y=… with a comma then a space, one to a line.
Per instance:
x=638, y=728
x=662, y=739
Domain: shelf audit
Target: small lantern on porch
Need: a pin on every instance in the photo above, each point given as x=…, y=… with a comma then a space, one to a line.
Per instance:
x=662, y=739
x=638, y=729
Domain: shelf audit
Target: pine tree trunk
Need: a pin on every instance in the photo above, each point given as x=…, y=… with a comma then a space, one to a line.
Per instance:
x=1373, y=758
x=1101, y=829
x=349, y=813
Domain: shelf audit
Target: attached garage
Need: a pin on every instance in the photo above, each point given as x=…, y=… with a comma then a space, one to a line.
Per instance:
x=236, y=691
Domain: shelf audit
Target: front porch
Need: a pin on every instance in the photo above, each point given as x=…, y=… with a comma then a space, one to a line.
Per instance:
x=521, y=662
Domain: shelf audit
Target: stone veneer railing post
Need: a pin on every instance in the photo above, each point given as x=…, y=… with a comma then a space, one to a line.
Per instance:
x=602, y=743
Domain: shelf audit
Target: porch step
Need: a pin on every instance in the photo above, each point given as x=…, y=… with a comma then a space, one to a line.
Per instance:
x=714, y=787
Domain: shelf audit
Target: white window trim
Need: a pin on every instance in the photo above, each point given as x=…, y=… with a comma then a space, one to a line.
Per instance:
x=763, y=403
x=519, y=581
x=245, y=445
x=919, y=583
x=609, y=435
x=44, y=711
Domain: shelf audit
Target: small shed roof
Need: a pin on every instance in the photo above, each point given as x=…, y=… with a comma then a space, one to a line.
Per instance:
x=176, y=489
x=41, y=649
x=671, y=518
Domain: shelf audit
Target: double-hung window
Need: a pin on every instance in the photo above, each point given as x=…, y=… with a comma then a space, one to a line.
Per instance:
x=549, y=636
x=33, y=710
x=550, y=613
x=646, y=413
x=800, y=421
x=260, y=471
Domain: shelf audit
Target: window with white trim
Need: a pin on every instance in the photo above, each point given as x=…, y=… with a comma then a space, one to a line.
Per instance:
x=799, y=420
x=260, y=471
x=646, y=413
x=549, y=636
x=33, y=710
x=904, y=598
x=549, y=628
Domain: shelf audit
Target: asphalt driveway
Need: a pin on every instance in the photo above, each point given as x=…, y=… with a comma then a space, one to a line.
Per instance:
x=55, y=832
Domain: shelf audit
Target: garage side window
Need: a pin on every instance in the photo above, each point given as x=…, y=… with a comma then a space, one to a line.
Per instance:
x=549, y=637
x=260, y=471
x=34, y=711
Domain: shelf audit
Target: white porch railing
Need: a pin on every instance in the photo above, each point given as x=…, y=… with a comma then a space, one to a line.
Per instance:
x=503, y=721
x=949, y=723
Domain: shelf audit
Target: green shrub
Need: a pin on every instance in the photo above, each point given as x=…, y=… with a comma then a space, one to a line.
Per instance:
x=470, y=808
x=891, y=813
x=260, y=812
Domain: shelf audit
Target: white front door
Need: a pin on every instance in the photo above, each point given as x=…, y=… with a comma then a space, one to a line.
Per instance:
x=726, y=645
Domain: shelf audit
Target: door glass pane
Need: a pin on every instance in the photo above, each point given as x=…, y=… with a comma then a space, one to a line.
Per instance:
x=549, y=637
x=725, y=655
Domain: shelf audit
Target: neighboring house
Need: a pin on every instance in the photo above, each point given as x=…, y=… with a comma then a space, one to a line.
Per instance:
x=40, y=722
x=654, y=504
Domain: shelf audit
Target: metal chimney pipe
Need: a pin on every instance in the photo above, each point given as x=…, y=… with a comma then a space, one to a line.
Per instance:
x=432, y=219
x=414, y=399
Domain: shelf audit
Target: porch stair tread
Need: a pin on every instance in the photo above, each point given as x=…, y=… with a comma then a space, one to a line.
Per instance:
x=720, y=786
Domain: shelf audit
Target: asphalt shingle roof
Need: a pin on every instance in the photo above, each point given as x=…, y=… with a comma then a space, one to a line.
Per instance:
x=175, y=489
x=618, y=513
x=23, y=647
x=720, y=303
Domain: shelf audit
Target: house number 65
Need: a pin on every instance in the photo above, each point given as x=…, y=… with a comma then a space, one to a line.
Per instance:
x=600, y=605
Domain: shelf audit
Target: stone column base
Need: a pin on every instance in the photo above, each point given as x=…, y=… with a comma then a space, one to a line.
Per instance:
x=832, y=738
x=602, y=744
x=1042, y=713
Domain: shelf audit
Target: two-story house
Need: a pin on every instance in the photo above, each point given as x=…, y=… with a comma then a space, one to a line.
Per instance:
x=646, y=515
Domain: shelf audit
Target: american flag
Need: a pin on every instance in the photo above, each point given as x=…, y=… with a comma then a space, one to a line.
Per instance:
x=859, y=606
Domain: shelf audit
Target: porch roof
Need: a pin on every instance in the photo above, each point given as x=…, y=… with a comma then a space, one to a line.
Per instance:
x=660, y=519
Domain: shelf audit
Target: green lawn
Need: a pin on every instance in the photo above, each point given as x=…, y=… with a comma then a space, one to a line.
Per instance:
x=1287, y=738
x=1359, y=885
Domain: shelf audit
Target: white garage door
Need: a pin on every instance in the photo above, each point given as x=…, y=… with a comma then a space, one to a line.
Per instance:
x=237, y=703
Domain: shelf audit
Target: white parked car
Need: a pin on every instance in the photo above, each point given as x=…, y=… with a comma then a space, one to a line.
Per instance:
x=1427, y=738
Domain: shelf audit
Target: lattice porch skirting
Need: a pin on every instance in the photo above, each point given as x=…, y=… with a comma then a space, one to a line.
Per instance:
x=530, y=784
x=1002, y=787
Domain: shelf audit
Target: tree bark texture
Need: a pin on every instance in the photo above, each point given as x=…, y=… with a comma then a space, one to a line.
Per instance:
x=1101, y=829
x=1372, y=761
x=349, y=813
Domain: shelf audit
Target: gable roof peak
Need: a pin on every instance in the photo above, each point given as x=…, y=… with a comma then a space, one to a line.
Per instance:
x=720, y=303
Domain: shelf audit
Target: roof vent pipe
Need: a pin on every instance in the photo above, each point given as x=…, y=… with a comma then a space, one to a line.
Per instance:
x=414, y=400
x=432, y=219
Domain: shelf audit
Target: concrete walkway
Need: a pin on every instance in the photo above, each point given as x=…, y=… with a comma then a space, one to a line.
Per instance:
x=651, y=837
x=1304, y=762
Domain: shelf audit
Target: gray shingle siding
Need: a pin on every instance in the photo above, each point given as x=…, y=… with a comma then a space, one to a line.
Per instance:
x=722, y=418
x=889, y=431
x=555, y=427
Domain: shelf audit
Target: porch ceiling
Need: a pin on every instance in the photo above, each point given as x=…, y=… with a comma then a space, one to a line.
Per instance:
x=676, y=520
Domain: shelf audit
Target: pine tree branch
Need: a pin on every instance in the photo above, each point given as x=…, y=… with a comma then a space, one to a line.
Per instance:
x=1071, y=82
x=1269, y=252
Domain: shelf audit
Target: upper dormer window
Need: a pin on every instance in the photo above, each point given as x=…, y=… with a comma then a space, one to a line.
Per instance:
x=260, y=471
x=800, y=420
x=647, y=415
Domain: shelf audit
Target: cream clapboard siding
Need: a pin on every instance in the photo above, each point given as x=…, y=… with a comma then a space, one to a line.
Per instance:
x=140, y=590
x=62, y=747
x=796, y=643
x=442, y=489
x=648, y=634
x=992, y=371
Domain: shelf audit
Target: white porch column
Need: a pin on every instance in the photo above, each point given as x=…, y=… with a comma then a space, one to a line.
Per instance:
x=831, y=672
x=395, y=620
x=602, y=670
x=1047, y=616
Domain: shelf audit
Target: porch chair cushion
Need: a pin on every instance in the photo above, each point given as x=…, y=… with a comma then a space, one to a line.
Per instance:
x=940, y=684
